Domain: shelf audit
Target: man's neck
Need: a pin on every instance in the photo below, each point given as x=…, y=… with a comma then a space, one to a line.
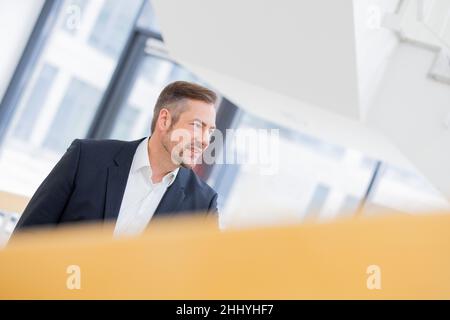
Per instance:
x=160, y=160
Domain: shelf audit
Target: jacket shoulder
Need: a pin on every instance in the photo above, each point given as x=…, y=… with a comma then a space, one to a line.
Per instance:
x=194, y=179
x=100, y=151
x=104, y=143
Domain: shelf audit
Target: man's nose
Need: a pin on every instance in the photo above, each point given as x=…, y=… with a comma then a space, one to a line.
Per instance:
x=206, y=139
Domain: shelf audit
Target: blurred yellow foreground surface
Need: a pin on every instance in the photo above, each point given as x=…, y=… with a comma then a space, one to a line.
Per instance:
x=190, y=258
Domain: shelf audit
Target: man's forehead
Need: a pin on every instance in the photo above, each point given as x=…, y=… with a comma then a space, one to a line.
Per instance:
x=202, y=111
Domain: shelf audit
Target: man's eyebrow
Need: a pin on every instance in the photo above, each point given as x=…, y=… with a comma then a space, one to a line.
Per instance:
x=204, y=124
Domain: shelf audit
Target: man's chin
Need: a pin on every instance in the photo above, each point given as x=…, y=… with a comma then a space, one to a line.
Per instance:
x=186, y=165
x=189, y=164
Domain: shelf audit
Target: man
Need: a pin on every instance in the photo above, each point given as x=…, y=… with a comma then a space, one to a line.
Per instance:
x=131, y=182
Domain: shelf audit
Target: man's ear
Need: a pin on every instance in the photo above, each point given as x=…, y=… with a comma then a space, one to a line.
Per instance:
x=164, y=119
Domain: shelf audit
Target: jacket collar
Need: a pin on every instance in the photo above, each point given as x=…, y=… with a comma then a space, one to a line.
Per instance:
x=117, y=180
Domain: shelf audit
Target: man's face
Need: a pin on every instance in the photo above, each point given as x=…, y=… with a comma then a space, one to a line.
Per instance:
x=190, y=135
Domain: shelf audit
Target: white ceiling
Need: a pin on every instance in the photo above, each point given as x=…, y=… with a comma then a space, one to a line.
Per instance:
x=300, y=49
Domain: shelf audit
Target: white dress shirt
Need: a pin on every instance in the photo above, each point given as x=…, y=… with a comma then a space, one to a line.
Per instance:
x=142, y=196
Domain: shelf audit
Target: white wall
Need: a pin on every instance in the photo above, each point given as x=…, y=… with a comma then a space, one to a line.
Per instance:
x=301, y=49
x=410, y=109
x=374, y=46
x=17, y=19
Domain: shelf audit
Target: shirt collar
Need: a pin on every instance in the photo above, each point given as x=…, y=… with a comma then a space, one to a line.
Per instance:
x=141, y=160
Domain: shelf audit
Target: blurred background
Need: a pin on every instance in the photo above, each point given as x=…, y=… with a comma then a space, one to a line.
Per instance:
x=94, y=68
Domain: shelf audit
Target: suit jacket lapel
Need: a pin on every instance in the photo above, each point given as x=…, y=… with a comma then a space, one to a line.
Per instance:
x=117, y=179
x=174, y=195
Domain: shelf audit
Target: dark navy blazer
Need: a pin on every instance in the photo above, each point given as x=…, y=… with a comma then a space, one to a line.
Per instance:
x=88, y=184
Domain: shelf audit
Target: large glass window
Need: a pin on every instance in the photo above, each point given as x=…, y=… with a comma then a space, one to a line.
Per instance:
x=35, y=100
x=317, y=181
x=112, y=27
x=312, y=180
x=74, y=114
x=62, y=95
x=404, y=190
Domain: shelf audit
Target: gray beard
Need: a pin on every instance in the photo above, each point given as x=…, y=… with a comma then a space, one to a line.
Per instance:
x=179, y=159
